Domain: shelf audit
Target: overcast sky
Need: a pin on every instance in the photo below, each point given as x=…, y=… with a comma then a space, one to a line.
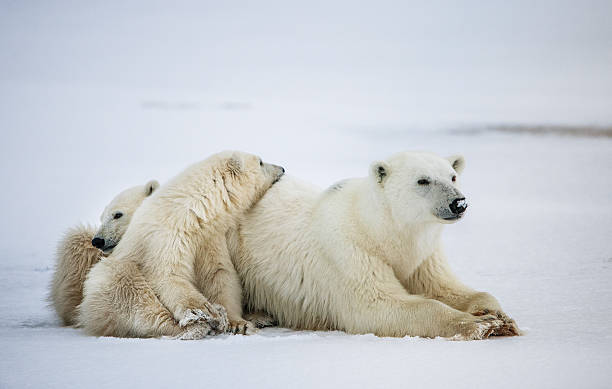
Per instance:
x=401, y=62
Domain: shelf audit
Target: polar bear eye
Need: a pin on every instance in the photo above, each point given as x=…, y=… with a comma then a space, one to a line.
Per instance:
x=423, y=181
x=117, y=215
x=454, y=178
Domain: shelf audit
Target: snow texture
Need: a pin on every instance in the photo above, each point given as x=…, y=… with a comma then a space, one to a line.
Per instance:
x=97, y=97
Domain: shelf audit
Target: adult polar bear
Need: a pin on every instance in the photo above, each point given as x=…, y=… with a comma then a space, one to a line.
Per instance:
x=365, y=256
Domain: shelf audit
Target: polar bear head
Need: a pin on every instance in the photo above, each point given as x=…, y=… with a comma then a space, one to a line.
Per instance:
x=243, y=178
x=421, y=187
x=117, y=215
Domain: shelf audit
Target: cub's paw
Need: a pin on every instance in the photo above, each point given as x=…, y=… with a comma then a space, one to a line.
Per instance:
x=509, y=328
x=214, y=316
x=219, y=322
x=199, y=323
x=195, y=315
x=196, y=331
x=477, y=327
x=260, y=319
x=241, y=327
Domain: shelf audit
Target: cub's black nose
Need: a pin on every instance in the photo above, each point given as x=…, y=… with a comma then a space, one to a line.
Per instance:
x=283, y=169
x=458, y=206
x=97, y=242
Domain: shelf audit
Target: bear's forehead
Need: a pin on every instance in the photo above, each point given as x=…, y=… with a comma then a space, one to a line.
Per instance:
x=422, y=163
x=128, y=199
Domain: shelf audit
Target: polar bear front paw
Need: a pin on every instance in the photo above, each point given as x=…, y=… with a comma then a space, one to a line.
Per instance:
x=477, y=327
x=219, y=322
x=215, y=317
x=196, y=331
x=194, y=315
x=260, y=319
x=242, y=327
x=510, y=328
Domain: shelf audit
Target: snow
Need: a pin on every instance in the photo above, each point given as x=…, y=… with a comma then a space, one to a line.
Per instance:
x=97, y=98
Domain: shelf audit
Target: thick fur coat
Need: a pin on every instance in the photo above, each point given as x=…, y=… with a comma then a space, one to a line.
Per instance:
x=365, y=255
x=76, y=254
x=171, y=274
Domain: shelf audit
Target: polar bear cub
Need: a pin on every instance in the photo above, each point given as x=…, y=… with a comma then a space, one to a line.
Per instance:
x=76, y=253
x=365, y=255
x=172, y=272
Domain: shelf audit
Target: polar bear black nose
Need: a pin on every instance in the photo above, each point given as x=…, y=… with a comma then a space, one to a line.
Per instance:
x=458, y=206
x=97, y=242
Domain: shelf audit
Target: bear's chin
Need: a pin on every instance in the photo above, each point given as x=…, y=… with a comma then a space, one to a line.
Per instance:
x=108, y=250
x=450, y=220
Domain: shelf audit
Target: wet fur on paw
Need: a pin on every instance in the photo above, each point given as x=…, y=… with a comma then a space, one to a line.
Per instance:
x=261, y=319
x=509, y=327
x=196, y=332
x=216, y=318
x=480, y=327
x=242, y=327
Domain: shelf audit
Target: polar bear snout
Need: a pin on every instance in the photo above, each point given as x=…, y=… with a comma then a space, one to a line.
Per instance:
x=458, y=206
x=278, y=169
x=275, y=171
x=453, y=211
x=97, y=243
x=106, y=245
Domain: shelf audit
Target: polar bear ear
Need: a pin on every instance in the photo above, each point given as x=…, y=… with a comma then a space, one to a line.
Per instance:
x=457, y=162
x=380, y=171
x=150, y=187
x=234, y=165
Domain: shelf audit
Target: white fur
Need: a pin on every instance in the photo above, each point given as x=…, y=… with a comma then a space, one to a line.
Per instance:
x=172, y=264
x=76, y=255
x=112, y=228
x=364, y=256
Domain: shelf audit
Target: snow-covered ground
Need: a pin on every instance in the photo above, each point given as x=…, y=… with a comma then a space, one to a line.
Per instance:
x=97, y=98
x=537, y=237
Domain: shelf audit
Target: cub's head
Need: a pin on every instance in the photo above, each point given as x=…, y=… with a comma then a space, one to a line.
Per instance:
x=421, y=187
x=246, y=177
x=118, y=214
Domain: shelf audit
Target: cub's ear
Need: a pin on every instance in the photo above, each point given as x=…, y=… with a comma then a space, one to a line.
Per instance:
x=457, y=162
x=150, y=187
x=234, y=165
x=380, y=171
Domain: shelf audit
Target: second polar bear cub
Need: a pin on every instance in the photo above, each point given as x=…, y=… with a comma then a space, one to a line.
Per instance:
x=117, y=216
x=177, y=252
x=76, y=253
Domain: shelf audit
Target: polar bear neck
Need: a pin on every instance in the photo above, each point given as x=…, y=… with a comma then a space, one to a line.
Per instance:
x=404, y=246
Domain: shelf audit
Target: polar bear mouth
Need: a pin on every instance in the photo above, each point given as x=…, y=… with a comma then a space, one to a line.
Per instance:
x=279, y=177
x=108, y=249
x=451, y=218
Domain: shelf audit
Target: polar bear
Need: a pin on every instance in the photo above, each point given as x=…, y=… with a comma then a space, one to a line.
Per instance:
x=76, y=253
x=171, y=274
x=365, y=255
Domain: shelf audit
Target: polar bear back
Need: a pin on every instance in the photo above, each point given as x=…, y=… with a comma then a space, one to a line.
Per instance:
x=292, y=275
